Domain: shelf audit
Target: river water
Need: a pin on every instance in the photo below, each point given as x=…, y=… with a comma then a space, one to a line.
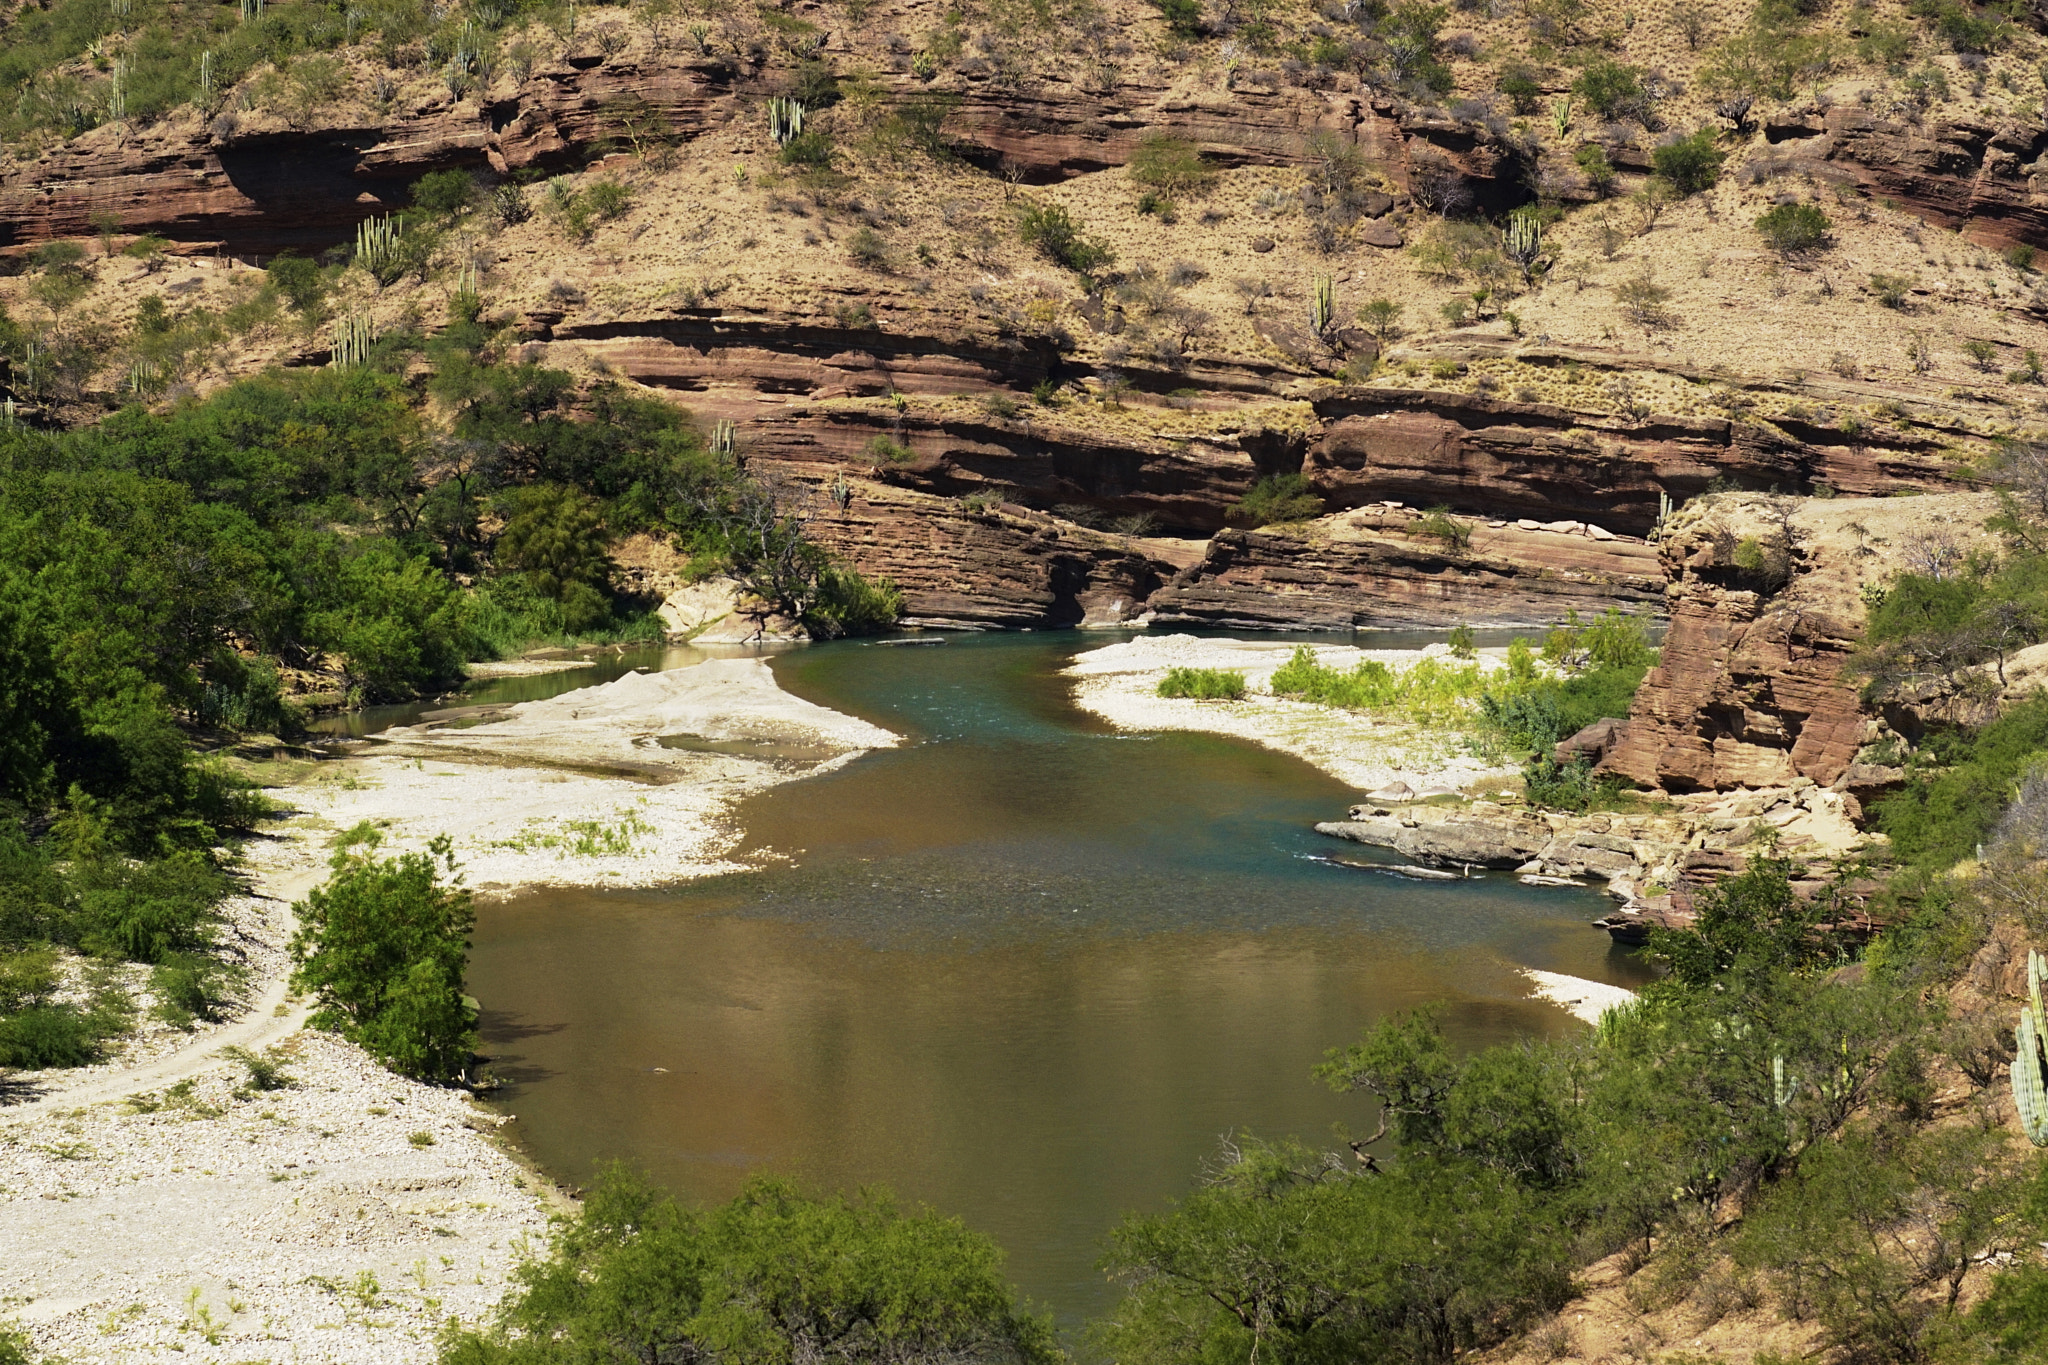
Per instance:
x=1023, y=969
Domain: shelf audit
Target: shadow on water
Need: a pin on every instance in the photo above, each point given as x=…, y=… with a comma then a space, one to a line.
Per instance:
x=1022, y=968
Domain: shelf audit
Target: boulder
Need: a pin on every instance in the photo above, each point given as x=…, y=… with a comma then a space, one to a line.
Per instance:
x=1591, y=743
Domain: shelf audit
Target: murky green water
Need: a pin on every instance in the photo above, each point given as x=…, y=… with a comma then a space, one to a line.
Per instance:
x=1023, y=968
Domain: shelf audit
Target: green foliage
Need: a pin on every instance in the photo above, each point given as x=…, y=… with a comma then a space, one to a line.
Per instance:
x=1691, y=164
x=767, y=1277
x=812, y=148
x=1462, y=642
x=1591, y=159
x=1169, y=164
x=1792, y=228
x=1891, y=290
x=1518, y=81
x=383, y=947
x=445, y=194
x=298, y=279
x=1277, y=498
x=1203, y=684
x=1959, y=782
x=557, y=538
x=1051, y=231
x=1611, y=89
x=1430, y=691
x=1962, y=25
x=1183, y=17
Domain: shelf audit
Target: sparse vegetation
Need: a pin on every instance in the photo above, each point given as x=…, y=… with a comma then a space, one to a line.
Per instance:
x=1277, y=498
x=1203, y=684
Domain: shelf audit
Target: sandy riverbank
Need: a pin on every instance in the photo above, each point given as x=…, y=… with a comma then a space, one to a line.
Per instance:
x=156, y=1208
x=580, y=790
x=1120, y=683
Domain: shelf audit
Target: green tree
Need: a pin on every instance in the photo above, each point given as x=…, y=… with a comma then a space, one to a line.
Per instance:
x=557, y=539
x=1611, y=89
x=1793, y=228
x=1051, y=231
x=298, y=279
x=383, y=947
x=775, y=1275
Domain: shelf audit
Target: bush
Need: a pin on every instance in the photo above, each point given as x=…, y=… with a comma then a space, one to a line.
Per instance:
x=849, y=604
x=1611, y=89
x=609, y=199
x=768, y=1277
x=1691, y=164
x=1428, y=691
x=1203, y=684
x=811, y=148
x=1518, y=82
x=1169, y=164
x=444, y=193
x=1592, y=161
x=1277, y=498
x=1183, y=17
x=383, y=948
x=1791, y=228
x=867, y=248
x=189, y=989
x=1891, y=290
x=300, y=281
x=1051, y=231
x=48, y=1036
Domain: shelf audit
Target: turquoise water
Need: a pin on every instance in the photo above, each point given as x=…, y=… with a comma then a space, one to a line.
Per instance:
x=1022, y=968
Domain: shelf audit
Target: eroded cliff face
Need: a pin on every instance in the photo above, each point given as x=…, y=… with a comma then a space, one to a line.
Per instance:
x=1752, y=689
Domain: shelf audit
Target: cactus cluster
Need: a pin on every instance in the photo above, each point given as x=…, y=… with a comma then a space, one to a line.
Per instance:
x=252, y=9
x=206, y=77
x=785, y=119
x=1523, y=240
x=466, y=301
x=722, y=434
x=1322, y=305
x=2030, y=1065
x=376, y=244
x=354, y=335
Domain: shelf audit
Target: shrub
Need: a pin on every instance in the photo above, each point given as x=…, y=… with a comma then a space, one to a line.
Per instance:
x=2020, y=256
x=867, y=248
x=1277, y=498
x=1169, y=164
x=1791, y=228
x=1183, y=17
x=849, y=604
x=446, y=193
x=609, y=199
x=266, y=1069
x=1203, y=684
x=1691, y=164
x=887, y=450
x=1592, y=161
x=189, y=988
x=1428, y=691
x=383, y=948
x=1518, y=82
x=53, y=1035
x=1462, y=643
x=1611, y=89
x=811, y=148
x=1381, y=318
x=1439, y=525
x=1981, y=352
x=1891, y=290
x=299, y=280
x=1051, y=231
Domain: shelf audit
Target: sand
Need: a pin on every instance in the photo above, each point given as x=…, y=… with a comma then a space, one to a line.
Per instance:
x=1120, y=682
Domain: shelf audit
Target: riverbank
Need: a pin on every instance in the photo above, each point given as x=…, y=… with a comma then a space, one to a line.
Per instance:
x=623, y=784
x=158, y=1205
x=1120, y=683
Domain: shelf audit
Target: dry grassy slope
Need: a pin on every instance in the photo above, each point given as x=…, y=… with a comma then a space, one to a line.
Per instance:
x=730, y=283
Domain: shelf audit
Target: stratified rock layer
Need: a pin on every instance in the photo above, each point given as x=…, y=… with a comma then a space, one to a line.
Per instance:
x=1752, y=689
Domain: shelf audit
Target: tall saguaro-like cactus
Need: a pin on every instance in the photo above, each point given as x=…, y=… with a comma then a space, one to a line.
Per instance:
x=2030, y=1066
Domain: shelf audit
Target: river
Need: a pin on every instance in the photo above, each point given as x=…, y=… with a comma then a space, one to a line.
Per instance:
x=1023, y=969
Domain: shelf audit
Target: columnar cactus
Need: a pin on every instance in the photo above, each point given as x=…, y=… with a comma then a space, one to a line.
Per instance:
x=376, y=244
x=2030, y=1066
x=1322, y=304
x=785, y=119
x=354, y=335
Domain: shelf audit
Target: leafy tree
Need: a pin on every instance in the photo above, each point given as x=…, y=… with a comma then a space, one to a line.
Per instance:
x=557, y=539
x=1611, y=89
x=1172, y=165
x=775, y=1275
x=383, y=946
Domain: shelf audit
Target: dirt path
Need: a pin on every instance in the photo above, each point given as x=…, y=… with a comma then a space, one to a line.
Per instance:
x=271, y=1018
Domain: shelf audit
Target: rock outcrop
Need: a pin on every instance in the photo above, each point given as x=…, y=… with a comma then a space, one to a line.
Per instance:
x=1545, y=462
x=1981, y=179
x=1752, y=690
